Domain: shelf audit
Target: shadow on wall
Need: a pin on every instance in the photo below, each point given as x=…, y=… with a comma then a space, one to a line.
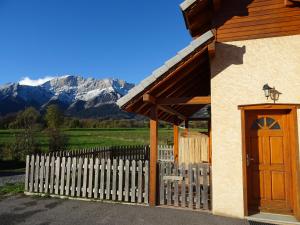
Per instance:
x=227, y=55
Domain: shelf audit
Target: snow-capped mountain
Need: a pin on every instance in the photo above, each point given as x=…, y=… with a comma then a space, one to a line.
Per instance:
x=76, y=95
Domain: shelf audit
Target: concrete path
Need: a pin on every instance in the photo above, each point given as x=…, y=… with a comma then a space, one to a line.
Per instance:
x=48, y=211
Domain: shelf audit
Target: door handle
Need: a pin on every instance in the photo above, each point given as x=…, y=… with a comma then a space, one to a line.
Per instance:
x=248, y=159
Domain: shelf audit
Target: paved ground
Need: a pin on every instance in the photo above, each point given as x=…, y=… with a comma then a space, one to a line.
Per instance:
x=49, y=211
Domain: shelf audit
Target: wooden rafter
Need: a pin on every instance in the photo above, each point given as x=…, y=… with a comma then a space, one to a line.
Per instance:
x=150, y=99
x=199, y=100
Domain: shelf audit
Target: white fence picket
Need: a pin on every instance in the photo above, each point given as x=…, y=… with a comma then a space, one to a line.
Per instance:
x=108, y=172
x=62, y=176
x=27, y=173
x=91, y=173
x=47, y=174
x=37, y=169
x=68, y=178
x=96, y=179
x=42, y=170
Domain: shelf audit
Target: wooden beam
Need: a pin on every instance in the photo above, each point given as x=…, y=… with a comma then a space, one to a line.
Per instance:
x=171, y=111
x=150, y=99
x=176, y=140
x=198, y=100
x=153, y=155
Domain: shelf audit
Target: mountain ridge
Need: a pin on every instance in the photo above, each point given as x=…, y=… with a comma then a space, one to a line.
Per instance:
x=77, y=96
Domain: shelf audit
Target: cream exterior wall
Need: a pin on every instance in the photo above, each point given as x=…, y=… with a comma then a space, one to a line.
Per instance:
x=239, y=71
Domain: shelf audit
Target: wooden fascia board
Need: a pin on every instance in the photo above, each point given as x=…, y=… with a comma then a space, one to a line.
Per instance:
x=198, y=100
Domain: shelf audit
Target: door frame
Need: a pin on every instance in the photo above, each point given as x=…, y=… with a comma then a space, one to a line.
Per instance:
x=294, y=144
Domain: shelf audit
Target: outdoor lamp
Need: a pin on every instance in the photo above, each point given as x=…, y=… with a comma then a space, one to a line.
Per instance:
x=271, y=92
x=266, y=89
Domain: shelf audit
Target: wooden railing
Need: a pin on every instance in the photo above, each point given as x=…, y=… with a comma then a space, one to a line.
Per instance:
x=134, y=152
x=94, y=178
x=185, y=186
x=130, y=152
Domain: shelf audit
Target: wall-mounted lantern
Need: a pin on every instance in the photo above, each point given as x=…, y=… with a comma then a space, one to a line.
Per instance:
x=271, y=92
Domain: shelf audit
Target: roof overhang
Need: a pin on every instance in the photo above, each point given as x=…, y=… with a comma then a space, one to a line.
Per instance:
x=198, y=15
x=186, y=75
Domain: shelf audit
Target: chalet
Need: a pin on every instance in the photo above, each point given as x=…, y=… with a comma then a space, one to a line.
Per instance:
x=244, y=62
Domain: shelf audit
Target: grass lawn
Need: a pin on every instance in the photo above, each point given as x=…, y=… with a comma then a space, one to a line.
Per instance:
x=85, y=138
x=11, y=189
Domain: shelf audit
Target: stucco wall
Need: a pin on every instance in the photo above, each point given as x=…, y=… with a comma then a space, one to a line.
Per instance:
x=239, y=71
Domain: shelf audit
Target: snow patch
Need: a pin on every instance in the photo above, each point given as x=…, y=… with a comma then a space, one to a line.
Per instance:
x=31, y=82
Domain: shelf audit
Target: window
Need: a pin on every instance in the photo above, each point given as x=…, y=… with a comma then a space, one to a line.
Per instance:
x=265, y=123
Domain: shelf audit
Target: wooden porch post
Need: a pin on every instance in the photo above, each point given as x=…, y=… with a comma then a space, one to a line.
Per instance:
x=176, y=140
x=153, y=154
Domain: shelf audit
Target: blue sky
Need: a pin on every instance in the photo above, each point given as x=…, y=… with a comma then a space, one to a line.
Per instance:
x=124, y=39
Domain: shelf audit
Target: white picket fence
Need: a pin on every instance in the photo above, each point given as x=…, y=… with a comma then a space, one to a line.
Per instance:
x=165, y=153
x=185, y=186
x=92, y=178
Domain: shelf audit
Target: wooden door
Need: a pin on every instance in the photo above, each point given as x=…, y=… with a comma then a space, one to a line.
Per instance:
x=268, y=161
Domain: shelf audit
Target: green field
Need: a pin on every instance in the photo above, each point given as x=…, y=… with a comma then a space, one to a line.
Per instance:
x=85, y=138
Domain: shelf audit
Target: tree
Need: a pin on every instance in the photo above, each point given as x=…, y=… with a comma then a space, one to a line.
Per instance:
x=54, y=117
x=25, y=141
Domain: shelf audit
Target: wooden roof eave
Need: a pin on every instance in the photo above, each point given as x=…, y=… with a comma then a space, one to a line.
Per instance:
x=198, y=44
x=198, y=15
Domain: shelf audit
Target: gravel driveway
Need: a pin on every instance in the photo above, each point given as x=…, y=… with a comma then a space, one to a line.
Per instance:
x=49, y=211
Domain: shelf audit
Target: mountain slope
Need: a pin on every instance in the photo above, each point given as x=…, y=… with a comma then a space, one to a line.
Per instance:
x=77, y=96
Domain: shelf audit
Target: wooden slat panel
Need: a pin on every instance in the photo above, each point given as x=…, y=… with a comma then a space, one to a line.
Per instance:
x=85, y=171
x=259, y=19
x=198, y=196
x=57, y=172
x=74, y=168
x=140, y=181
x=120, y=188
x=91, y=174
x=146, y=195
x=169, y=184
x=108, y=173
x=68, y=178
x=79, y=175
x=47, y=174
x=162, y=183
x=205, y=187
x=27, y=173
x=96, y=179
x=32, y=163
x=176, y=186
x=127, y=168
x=190, y=178
x=42, y=171
x=133, y=181
x=62, y=177
x=36, y=175
x=102, y=178
x=52, y=174
x=114, y=180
